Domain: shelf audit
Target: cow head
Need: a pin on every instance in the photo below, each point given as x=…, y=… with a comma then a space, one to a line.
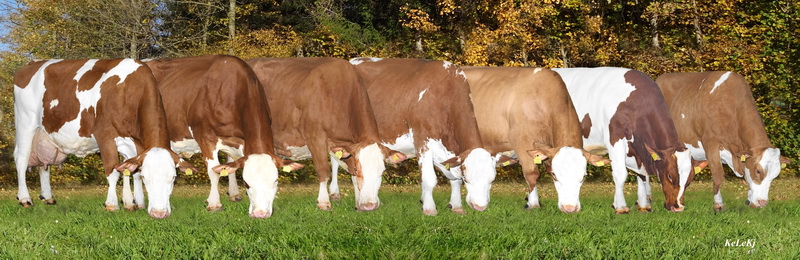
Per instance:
x=260, y=175
x=367, y=167
x=477, y=170
x=674, y=168
x=761, y=167
x=158, y=174
x=568, y=167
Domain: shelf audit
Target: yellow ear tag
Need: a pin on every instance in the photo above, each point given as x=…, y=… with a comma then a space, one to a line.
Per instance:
x=742, y=158
x=224, y=173
x=395, y=157
x=783, y=165
x=126, y=172
x=338, y=154
x=286, y=168
x=655, y=156
x=188, y=172
x=537, y=160
x=697, y=169
x=600, y=163
x=506, y=163
x=447, y=166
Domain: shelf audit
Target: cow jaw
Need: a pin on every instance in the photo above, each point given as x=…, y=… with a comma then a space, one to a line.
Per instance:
x=370, y=159
x=158, y=174
x=758, y=195
x=569, y=168
x=684, y=171
x=261, y=175
x=479, y=172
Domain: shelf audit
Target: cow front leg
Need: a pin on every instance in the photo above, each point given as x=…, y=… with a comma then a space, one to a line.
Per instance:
x=455, y=197
x=619, y=173
x=319, y=155
x=717, y=173
x=213, y=203
x=138, y=190
x=233, y=186
x=643, y=202
x=428, y=175
x=111, y=203
x=335, y=194
x=127, y=196
x=44, y=180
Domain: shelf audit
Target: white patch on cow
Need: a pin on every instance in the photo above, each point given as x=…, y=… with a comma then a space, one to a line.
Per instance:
x=422, y=93
x=85, y=68
x=233, y=152
x=53, y=103
x=126, y=147
x=404, y=144
x=158, y=173
x=185, y=148
x=299, y=153
x=446, y=64
x=684, y=161
x=569, y=168
x=727, y=158
x=720, y=81
x=261, y=174
x=359, y=60
x=683, y=116
x=537, y=70
x=718, y=197
x=463, y=75
x=479, y=173
x=770, y=162
x=372, y=167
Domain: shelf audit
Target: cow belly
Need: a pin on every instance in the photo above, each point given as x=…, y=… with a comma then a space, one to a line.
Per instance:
x=699, y=153
x=70, y=142
x=233, y=152
x=186, y=148
x=404, y=144
x=298, y=152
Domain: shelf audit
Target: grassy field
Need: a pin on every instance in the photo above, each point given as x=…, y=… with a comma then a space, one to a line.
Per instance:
x=78, y=227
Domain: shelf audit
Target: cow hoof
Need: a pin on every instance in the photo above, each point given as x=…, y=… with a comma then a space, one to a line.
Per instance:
x=719, y=207
x=430, y=212
x=650, y=198
x=26, y=204
x=131, y=208
x=215, y=208
x=623, y=210
x=449, y=206
x=324, y=206
x=236, y=198
x=535, y=206
x=41, y=197
x=50, y=202
x=111, y=207
x=336, y=196
x=459, y=211
x=647, y=209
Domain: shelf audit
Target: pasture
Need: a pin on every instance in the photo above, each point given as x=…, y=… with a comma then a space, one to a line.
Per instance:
x=78, y=227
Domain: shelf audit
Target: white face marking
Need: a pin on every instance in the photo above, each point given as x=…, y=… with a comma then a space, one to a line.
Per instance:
x=158, y=174
x=261, y=175
x=404, y=144
x=299, y=153
x=53, y=103
x=569, y=167
x=372, y=167
x=479, y=173
x=359, y=60
x=720, y=81
x=683, y=116
x=684, y=160
x=770, y=162
x=422, y=93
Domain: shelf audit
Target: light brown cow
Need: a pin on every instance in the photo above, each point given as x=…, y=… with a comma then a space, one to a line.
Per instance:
x=215, y=103
x=527, y=112
x=84, y=106
x=716, y=117
x=320, y=107
x=423, y=109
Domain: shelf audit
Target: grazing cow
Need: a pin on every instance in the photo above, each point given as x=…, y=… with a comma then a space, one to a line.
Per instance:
x=320, y=109
x=528, y=112
x=215, y=103
x=85, y=106
x=622, y=113
x=716, y=118
x=423, y=109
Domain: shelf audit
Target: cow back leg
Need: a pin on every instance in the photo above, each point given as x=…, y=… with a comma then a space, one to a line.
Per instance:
x=334, y=187
x=428, y=175
x=44, y=180
x=22, y=154
x=138, y=190
x=619, y=172
x=233, y=186
x=319, y=155
x=213, y=203
x=717, y=172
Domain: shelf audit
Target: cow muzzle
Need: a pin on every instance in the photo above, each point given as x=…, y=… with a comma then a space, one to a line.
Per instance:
x=757, y=204
x=569, y=208
x=159, y=213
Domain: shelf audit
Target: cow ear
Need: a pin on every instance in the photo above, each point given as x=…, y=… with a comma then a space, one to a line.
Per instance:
x=653, y=154
x=596, y=160
x=340, y=152
x=452, y=162
x=186, y=167
x=785, y=161
x=288, y=165
x=225, y=169
x=743, y=156
x=392, y=156
x=505, y=161
x=698, y=166
x=130, y=165
x=538, y=156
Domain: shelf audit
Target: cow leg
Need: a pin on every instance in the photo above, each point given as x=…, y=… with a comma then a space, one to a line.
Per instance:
x=648, y=188
x=127, y=196
x=620, y=173
x=22, y=155
x=111, y=203
x=644, y=202
x=356, y=190
x=717, y=173
x=138, y=190
x=44, y=180
x=531, y=172
x=455, y=197
x=319, y=155
x=335, y=180
x=428, y=175
x=213, y=203
x=233, y=186
x=110, y=156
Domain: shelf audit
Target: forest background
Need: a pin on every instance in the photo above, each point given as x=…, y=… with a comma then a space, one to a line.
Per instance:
x=758, y=39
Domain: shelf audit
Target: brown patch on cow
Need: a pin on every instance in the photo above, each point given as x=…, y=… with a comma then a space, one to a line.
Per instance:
x=90, y=78
x=60, y=85
x=87, y=122
x=586, y=126
x=23, y=76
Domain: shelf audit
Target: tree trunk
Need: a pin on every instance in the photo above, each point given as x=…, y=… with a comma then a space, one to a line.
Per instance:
x=231, y=25
x=564, y=58
x=418, y=44
x=134, y=52
x=206, y=24
x=654, y=24
x=698, y=33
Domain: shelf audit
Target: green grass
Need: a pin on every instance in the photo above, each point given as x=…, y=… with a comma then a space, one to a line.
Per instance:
x=78, y=227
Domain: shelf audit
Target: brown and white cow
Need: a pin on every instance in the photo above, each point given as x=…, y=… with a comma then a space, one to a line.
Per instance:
x=716, y=118
x=320, y=109
x=527, y=113
x=623, y=113
x=215, y=103
x=85, y=106
x=423, y=109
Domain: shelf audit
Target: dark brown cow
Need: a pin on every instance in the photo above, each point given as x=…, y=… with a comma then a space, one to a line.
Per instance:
x=717, y=119
x=528, y=112
x=320, y=107
x=85, y=106
x=624, y=114
x=423, y=109
x=215, y=103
